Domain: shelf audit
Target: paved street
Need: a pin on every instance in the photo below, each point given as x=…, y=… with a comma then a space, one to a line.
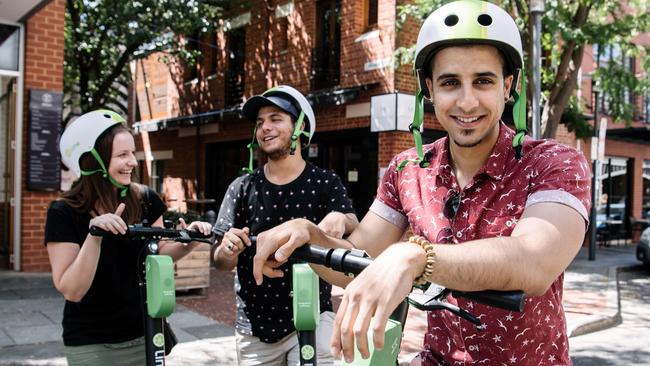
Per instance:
x=628, y=343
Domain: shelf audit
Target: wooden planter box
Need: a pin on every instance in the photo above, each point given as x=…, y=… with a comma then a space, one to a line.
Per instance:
x=193, y=271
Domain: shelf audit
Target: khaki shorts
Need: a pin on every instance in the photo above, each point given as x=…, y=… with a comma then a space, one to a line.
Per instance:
x=124, y=354
x=252, y=351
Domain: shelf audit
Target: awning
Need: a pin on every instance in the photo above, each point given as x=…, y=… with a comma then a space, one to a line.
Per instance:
x=185, y=121
x=19, y=11
x=321, y=98
x=636, y=135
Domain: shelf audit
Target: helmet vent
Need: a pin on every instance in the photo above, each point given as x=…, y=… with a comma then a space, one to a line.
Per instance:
x=484, y=20
x=451, y=20
x=107, y=116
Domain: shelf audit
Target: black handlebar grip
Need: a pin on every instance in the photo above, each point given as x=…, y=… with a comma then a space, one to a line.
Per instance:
x=311, y=254
x=508, y=300
x=95, y=231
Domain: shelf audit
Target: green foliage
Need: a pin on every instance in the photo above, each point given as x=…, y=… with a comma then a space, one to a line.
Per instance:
x=103, y=36
x=606, y=22
x=576, y=121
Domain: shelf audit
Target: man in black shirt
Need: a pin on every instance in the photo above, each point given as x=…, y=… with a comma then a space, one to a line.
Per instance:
x=285, y=188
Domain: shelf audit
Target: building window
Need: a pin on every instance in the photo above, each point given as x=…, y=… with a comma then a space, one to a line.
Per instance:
x=213, y=68
x=371, y=10
x=156, y=177
x=191, y=68
x=325, y=66
x=283, y=34
x=236, y=51
x=612, y=57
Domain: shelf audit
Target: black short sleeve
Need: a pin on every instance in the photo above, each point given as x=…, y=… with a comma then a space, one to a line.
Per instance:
x=60, y=224
x=154, y=206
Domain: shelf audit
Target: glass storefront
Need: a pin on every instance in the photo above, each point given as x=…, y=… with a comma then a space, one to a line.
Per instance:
x=645, y=210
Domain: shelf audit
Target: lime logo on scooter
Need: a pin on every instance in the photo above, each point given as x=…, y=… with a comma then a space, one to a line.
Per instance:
x=307, y=352
x=158, y=340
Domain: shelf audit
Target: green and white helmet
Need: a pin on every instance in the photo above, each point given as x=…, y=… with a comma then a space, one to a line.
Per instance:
x=80, y=137
x=290, y=101
x=467, y=22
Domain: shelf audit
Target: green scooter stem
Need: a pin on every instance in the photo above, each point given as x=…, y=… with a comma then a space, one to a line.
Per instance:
x=306, y=310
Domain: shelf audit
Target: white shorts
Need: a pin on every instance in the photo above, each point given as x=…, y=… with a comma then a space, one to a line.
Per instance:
x=285, y=352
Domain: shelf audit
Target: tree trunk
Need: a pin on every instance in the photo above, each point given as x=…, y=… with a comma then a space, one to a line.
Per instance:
x=565, y=80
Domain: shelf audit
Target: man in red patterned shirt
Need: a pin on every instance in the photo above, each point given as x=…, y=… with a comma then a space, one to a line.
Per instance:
x=500, y=218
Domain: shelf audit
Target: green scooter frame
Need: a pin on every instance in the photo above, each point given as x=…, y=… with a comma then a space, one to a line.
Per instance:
x=157, y=289
x=352, y=262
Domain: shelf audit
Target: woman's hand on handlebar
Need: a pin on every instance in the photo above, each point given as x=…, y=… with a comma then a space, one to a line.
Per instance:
x=375, y=293
x=111, y=221
x=274, y=247
x=202, y=227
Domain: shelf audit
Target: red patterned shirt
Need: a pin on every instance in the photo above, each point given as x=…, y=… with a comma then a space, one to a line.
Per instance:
x=489, y=206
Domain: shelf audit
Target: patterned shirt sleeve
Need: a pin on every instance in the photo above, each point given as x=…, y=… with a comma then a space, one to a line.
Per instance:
x=387, y=203
x=562, y=175
x=338, y=199
x=229, y=207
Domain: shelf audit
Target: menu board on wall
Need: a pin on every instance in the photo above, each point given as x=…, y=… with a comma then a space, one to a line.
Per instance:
x=44, y=160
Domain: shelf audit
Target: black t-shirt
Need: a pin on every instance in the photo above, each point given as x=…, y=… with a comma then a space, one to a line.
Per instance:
x=254, y=202
x=111, y=310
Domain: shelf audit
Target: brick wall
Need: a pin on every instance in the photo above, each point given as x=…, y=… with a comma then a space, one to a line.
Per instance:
x=43, y=70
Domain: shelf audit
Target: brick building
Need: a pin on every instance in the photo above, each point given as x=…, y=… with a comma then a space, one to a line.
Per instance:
x=336, y=52
x=192, y=140
x=31, y=71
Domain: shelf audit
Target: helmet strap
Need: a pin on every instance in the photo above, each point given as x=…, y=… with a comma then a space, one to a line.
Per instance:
x=297, y=132
x=415, y=127
x=251, y=151
x=122, y=188
x=519, y=115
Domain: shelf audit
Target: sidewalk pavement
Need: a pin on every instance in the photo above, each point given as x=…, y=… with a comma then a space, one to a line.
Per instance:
x=31, y=311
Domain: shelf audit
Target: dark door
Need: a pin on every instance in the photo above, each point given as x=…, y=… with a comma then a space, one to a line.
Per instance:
x=223, y=163
x=352, y=154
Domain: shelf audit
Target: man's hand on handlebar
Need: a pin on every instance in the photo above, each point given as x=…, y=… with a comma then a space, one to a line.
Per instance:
x=375, y=293
x=235, y=240
x=274, y=247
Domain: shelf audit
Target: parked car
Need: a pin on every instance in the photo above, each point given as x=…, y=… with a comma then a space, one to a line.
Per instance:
x=643, y=248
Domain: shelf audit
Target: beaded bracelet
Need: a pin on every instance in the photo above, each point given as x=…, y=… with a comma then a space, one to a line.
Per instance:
x=431, y=259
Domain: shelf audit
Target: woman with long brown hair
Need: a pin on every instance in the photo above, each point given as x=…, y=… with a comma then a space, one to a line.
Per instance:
x=103, y=317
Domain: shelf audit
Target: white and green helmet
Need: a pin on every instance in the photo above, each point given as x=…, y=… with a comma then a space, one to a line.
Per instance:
x=80, y=137
x=290, y=101
x=468, y=22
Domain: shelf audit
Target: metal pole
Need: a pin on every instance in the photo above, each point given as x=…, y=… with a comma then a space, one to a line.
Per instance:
x=536, y=10
x=594, y=198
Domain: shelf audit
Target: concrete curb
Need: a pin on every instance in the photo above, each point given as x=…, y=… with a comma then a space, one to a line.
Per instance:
x=608, y=317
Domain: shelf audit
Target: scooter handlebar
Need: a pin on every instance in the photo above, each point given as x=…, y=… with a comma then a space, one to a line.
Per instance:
x=354, y=261
x=134, y=231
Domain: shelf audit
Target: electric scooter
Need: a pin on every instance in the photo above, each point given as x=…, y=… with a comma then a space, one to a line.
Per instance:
x=157, y=289
x=352, y=262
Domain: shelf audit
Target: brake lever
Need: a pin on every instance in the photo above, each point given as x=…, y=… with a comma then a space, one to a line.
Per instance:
x=427, y=302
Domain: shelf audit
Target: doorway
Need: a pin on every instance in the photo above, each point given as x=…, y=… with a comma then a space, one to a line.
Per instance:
x=7, y=118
